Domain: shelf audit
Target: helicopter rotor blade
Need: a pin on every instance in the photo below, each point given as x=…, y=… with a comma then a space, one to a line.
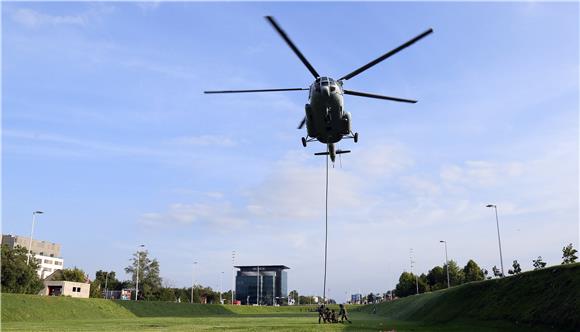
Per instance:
x=258, y=90
x=301, y=125
x=386, y=55
x=371, y=95
x=292, y=46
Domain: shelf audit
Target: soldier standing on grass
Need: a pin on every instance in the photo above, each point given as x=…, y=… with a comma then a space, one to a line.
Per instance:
x=343, y=315
x=321, y=313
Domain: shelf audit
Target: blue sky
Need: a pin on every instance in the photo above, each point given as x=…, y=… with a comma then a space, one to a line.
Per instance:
x=105, y=128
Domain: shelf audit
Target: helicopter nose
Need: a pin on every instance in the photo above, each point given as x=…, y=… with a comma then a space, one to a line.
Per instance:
x=326, y=91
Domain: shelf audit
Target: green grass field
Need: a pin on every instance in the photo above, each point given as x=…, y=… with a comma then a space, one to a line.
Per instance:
x=544, y=300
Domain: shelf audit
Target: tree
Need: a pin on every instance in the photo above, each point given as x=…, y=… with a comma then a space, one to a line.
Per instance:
x=75, y=274
x=303, y=300
x=406, y=285
x=569, y=254
x=96, y=290
x=516, y=268
x=485, y=273
x=294, y=295
x=107, y=280
x=496, y=272
x=149, y=279
x=539, y=263
x=456, y=276
x=472, y=272
x=371, y=298
x=166, y=294
x=423, y=284
x=17, y=276
x=437, y=278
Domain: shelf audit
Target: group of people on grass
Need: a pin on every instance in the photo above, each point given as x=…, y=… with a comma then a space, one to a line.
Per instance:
x=326, y=315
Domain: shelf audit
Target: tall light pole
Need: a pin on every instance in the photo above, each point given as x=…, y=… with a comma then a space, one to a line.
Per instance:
x=221, y=290
x=106, y=280
x=498, y=238
x=412, y=262
x=192, y=281
x=137, y=280
x=446, y=263
x=31, y=232
x=233, y=274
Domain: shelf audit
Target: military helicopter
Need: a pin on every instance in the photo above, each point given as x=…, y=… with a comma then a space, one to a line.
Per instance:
x=326, y=120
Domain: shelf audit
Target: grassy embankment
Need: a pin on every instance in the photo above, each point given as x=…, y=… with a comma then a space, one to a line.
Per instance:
x=546, y=298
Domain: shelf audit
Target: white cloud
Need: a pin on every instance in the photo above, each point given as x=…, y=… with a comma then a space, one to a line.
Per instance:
x=31, y=18
x=148, y=6
x=205, y=140
x=480, y=173
x=216, y=213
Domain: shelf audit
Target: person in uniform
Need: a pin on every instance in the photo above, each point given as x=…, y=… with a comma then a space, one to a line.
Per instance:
x=333, y=317
x=343, y=314
x=321, y=313
x=327, y=315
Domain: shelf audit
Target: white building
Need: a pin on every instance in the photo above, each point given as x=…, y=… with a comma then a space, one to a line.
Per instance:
x=47, y=254
x=48, y=265
x=55, y=286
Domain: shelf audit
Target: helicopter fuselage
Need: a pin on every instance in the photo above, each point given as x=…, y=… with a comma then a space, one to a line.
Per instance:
x=326, y=119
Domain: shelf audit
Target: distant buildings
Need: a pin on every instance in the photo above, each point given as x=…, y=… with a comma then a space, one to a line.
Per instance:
x=264, y=285
x=356, y=299
x=47, y=254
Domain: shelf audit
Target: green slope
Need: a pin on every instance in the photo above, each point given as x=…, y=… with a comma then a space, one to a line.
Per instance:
x=18, y=307
x=548, y=297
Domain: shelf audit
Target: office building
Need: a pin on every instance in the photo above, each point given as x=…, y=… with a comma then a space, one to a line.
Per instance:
x=263, y=285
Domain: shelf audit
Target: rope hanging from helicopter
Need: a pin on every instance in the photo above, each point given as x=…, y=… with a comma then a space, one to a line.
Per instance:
x=325, y=234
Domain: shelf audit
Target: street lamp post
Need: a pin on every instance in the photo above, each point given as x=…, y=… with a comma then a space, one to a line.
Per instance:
x=233, y=274
x=221, y=290
x=31, y=233
x=446, y=263
x=137, y=279
x=192, y=281
x=498, y=237
x=413, y=262
x=106, y=280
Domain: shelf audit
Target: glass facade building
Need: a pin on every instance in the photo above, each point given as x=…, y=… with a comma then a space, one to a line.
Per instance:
x=264, y=285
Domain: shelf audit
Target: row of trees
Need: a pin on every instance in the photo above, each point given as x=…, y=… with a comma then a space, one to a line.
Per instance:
x=151, y=286
x=300, y=299
x=436, y=278
x=17, y=276
x=20, y=277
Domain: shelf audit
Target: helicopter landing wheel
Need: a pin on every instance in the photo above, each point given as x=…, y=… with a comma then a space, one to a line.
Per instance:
x=355, y=137
x=303, y=142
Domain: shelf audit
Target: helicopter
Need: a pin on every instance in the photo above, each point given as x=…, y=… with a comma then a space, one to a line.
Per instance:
x=325, y=119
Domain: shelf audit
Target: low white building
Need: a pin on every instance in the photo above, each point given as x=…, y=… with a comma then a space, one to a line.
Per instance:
x=60, y=287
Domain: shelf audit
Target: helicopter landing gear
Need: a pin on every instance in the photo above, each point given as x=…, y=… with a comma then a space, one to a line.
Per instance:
x=355, y=137
x=303, y=142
